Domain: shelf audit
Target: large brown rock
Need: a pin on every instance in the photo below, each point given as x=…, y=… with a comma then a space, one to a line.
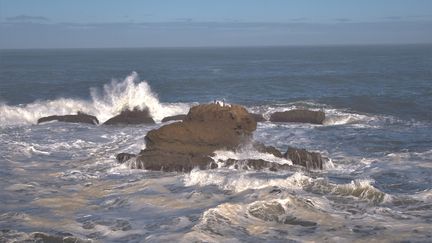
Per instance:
x=78, y=118
x=132, y=117
x=302, y=116
x=310, y=160
x=181, y=146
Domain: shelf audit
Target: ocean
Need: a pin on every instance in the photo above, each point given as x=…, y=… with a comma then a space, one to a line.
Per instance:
x=62, y=179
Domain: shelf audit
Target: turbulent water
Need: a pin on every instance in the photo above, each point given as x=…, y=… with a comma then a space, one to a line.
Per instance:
x=62, y=179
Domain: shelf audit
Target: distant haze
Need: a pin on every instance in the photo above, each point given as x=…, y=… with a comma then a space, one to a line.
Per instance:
x=97, y=23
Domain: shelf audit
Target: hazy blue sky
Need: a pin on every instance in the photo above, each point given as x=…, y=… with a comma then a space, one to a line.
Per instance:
x=134, y=23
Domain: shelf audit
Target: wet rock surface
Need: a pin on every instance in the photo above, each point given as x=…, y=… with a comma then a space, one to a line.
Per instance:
x=131, y=117
x=181, y=146
x=123, y=157
x=260, y=147
x=80, y=117
x=310, y=160
x=174, y=118
x=258, y=117
x=301, y=116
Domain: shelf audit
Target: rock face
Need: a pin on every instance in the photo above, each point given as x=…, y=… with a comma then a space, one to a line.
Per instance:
x=78, y=118
x=132, y=117
x=303, y=116
x=258, y=117
x=174, y=118
x=310, y=160
x=181, y=146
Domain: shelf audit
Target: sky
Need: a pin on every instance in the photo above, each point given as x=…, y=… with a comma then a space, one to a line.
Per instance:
x=178, y=23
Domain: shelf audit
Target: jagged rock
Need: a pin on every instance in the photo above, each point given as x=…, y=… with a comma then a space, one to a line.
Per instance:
x=43, y=237
x=123, y=157
x=80, y=117
x=131, y=117
x=302, y=116
x=181, y=146
x=258, y=117
x=267, y=149
x=174, y=118
x=310, y=160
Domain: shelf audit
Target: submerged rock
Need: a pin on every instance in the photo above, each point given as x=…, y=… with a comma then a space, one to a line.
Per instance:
x=302, y=116
x=181, y=146
x=131, y=117
x=174, y=118
x=310, y=160
x=80, y=117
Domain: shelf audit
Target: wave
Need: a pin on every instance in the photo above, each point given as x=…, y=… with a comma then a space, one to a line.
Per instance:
x=238, y=182
x=114, y=97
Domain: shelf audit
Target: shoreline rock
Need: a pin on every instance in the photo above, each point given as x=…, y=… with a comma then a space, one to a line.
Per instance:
x=301, y=116
x=80, y=117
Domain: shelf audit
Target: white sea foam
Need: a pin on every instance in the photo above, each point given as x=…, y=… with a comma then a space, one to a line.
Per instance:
x=248, y=153
x=115, y=97
x=242, y=181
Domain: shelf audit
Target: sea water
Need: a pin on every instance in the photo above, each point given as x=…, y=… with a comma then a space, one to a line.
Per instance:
x=62, y=178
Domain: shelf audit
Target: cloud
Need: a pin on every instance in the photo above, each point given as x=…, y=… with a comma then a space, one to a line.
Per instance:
x=27, y=18
x=394, y=17
x=158, y=34
x=343, y=20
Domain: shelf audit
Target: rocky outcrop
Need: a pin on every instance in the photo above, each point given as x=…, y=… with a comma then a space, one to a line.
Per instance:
x=181, y=146
x=302, y=116
x=267, y=149
x=258, y=117
x=302, y=157
x=174, y=118
x=123, y=157
x=131, y=117
x=80, y=117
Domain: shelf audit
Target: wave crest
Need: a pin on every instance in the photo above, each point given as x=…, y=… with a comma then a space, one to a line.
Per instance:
x=116, y=96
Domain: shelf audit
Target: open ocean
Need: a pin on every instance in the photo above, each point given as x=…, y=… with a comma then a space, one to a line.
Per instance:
x=62, y=179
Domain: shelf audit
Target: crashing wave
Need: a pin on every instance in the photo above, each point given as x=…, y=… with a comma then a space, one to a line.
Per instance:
x=116, y=96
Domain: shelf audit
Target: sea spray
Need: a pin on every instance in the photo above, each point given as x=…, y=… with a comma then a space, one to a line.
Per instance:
x=116, y=96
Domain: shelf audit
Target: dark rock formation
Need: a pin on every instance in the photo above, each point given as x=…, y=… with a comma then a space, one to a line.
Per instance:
x=132, y=117
x=123, y=157
x=267, y=149
x=303, y=116
x=181, y=146
x=78, y=118
x=174, y=118
x=310, y=160
x=258, y=117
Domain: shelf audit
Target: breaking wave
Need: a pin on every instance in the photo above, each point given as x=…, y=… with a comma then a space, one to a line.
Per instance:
x=114, y=97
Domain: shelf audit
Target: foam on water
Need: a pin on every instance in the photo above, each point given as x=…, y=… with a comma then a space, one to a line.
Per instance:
x=115, y=97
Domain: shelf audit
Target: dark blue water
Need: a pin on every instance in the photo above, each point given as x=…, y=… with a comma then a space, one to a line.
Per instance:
x=59, y=178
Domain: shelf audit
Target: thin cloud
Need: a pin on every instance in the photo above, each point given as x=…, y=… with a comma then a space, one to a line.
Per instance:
x=27, y=18
x=343, y=20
